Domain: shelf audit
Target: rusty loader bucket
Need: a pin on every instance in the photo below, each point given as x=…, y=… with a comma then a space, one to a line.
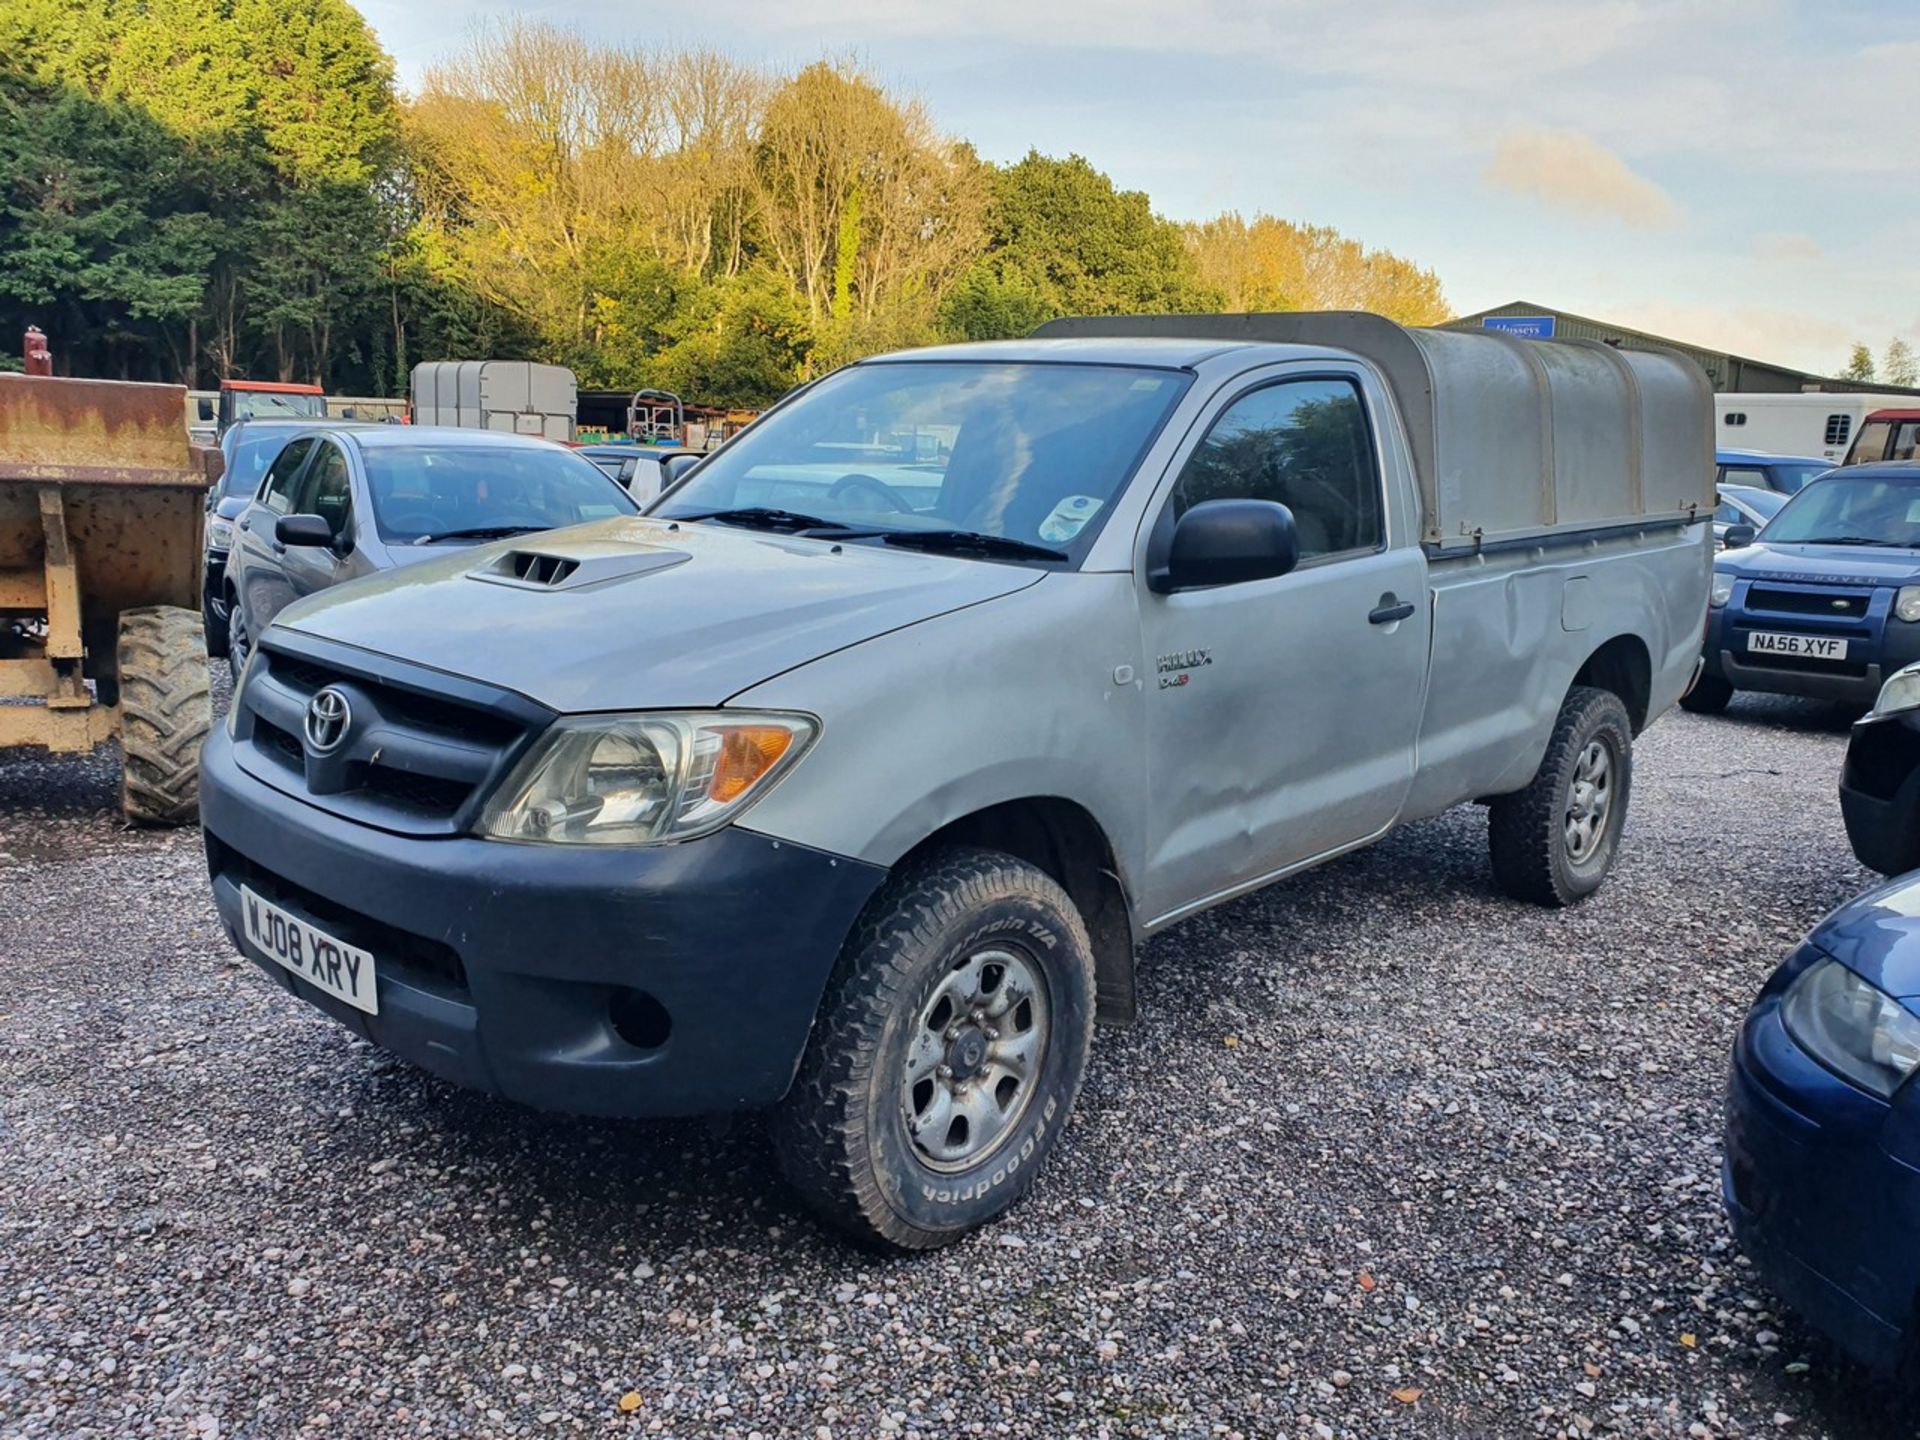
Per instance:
x=102, y=500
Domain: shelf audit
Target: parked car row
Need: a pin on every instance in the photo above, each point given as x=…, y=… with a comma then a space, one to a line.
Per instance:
x=1818, y=594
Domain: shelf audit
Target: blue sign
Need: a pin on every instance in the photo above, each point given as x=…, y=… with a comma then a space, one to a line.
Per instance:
x=1527, y=327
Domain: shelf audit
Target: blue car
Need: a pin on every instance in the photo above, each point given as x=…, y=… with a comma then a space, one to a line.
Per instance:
x=1822, y=1170
x=1759, y=470
x=1825, y=601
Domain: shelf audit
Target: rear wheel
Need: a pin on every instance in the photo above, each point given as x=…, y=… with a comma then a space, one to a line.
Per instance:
x=1709, y=696
x=947, y=1053
x=165, y=714
x=1553, y=842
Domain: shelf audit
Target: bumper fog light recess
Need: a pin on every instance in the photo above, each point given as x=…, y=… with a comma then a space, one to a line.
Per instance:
x=639, y=1019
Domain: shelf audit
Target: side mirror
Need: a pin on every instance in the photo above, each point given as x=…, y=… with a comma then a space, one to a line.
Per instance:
x=1227, y=542
x=1738, y=536
x=674, y=466
x=303, y=530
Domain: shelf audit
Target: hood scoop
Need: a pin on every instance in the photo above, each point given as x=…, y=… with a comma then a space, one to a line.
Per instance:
x=574, y=567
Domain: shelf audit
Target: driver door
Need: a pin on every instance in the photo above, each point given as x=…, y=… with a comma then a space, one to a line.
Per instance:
x=1282, y=713
x=325, y=490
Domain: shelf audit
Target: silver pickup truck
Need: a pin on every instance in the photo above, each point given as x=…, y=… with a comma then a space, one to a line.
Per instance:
x=848, y=780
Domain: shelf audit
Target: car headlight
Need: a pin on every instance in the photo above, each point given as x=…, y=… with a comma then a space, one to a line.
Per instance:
x=1853, y=1028
x=1901, y=692
x=1722, y=590
x=1906, y=604
x=644, y=779
x=220, y=535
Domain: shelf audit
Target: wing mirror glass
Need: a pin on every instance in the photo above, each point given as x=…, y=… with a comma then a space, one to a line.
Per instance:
x=1228, y=542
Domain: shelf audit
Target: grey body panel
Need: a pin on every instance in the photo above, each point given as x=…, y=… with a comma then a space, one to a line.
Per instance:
x=518, y=396
x=945, y=685
x=739, y=607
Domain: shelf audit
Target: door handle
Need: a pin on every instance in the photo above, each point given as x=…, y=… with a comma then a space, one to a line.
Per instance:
x=1387, y=612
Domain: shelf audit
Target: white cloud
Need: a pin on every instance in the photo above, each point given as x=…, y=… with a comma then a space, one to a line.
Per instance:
x=1758, y=332
x=1572, y=171
x=1787, y=246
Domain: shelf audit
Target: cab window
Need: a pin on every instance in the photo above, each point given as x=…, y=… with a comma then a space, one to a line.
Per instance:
x=276, y=491
x=1304, y=444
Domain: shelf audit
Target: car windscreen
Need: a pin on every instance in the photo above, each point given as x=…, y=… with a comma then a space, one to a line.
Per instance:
x=1793, y=478
x=1848, y=508
x=422, y=493
x=262, y=404
x=248, y=458
x=1028, y=452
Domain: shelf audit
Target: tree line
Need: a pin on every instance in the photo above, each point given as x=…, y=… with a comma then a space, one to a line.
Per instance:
x=1896, y=366
x=198, y=188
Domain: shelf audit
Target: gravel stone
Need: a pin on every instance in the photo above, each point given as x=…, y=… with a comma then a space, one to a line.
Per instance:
x=1456, y=1175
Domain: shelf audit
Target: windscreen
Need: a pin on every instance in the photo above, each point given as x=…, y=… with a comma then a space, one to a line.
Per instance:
x=1793, y=478
x=1027, y=452
x=265, y=404
x=423, y=493
x=1848, y=508
x=248, y=458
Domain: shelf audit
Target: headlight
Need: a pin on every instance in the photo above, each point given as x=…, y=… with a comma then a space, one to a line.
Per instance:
x=1906, y=605
x=220, y=535
x=1901, y=692
x=239, y=689
x=1853, y=1028
x=644, y=779
x=1722, y=590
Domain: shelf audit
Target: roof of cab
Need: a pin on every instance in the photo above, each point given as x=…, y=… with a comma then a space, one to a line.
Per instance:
x=446, y=437
x=1883, y=470
x=1726, y=455
x=1169, y=352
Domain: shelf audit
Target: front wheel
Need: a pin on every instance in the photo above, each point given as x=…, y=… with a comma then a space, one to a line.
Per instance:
x=239, y=643
x=1553, y=842
x=949, y=1048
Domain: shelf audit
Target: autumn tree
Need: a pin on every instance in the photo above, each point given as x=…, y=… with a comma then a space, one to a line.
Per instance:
x=1897, y=366
x=1273, y=264
x=1859, y=366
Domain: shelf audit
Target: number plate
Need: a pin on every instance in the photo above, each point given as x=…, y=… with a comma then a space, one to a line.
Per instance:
x=315, y=956
x=1810, y=647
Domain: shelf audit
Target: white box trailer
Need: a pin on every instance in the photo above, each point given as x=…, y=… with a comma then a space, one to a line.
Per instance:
x=515, y=395
x=1814, y=423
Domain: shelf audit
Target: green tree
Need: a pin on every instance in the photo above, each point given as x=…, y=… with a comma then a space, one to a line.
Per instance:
x=1062, y=240
x=1897, y=366
x=1859, y=365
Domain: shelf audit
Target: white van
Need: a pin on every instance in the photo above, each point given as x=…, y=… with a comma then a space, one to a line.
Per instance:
x=1818, y=423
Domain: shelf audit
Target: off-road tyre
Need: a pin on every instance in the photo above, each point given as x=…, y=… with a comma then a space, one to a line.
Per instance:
x=165, y=714
x=1709, y=696
x=1527, y=830
x=841, y=1135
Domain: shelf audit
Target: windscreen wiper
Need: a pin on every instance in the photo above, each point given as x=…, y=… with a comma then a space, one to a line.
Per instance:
x=762, y=517
x=478, y=532
x=1843, y=540
x=975, y=540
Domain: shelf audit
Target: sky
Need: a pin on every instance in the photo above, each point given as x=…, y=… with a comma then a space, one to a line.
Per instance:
x=1741, y=174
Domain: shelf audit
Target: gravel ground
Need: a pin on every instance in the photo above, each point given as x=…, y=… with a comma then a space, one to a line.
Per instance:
x=1386, y=1155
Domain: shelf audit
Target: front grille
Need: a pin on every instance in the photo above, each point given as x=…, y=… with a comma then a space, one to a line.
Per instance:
x=415, y=958
x=1850, y=604
x=409, y=759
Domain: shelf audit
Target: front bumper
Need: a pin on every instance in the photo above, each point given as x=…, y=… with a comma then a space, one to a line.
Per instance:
x=1880, y=792
x=1879, y=645
x=503, y=967
x=1824, y=1213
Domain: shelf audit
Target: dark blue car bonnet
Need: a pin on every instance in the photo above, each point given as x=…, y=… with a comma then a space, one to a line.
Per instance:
x=1824, y=564
x=1877, y=936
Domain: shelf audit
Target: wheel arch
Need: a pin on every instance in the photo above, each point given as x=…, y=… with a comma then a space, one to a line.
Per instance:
x=1623, y=666
x=1063, y=839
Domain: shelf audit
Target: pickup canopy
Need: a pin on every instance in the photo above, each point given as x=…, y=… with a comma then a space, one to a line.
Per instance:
x=1512, y=439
